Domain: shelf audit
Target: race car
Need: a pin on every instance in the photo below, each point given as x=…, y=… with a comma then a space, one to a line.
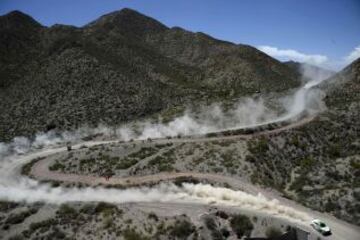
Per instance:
x=321, y=227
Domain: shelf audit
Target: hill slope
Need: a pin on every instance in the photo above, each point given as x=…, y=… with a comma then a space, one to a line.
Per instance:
x=120, y=67
x=319, y=164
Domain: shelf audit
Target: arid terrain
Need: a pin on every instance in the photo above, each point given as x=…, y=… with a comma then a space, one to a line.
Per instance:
x=152, y=169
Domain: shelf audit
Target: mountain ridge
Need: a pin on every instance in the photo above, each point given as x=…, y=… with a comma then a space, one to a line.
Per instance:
x=110, y=70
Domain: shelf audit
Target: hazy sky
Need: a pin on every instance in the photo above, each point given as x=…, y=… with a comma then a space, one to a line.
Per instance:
x=323, y=32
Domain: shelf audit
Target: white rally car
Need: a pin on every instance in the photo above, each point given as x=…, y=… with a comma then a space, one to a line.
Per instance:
x=321, y=227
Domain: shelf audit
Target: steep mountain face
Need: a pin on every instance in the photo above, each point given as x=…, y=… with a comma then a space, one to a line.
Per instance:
x=121, y=67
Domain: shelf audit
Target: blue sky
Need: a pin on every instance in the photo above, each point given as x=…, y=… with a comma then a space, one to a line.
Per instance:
x=323, y=32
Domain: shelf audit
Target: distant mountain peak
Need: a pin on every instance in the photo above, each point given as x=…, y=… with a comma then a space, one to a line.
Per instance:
x=130, y=20
x=17, y=19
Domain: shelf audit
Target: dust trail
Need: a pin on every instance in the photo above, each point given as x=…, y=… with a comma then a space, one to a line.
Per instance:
x=247, y=113
x=15, y=187
x=189, y=193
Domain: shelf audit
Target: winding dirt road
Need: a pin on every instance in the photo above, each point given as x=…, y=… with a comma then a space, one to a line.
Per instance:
x=341, y=230
x=40, y=170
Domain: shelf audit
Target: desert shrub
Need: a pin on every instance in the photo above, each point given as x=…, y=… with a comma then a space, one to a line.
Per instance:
x=334, y=151
x=46, y=224
x=225, y=232
x=66, y=210
x=295, y=141
x=25, y=170
x=331, y=206
x=17, y=237
x=259, y=146
x=216, y=235
x=298, y=183
x=307, y=162
x=355, y=164
x=56, y=234
x=212, y=226
x=222, y=214
x=273, y=232
x=210, y=223
x=126, y=163
x=250, y=158
x=130, y=234
x=182, y=229
x=103, y=207
x=19, y=217
x=57, y=166
x=180, y=180
x=88, y=209
x=153, y=216
x=6, y=206
x=241, y=225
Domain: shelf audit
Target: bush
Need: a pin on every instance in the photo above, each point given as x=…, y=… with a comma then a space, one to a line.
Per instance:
x=17, y=237
x=334, y=151
x=130, y=234
x=88, y=209
x=355, y=164
x=210, y=223
x=225, y=232
x=103, y=207
x=67, y=210
x=19, y=217
x=57, y=166
x=43, y=224
x=307, y=162
x=241, y=225
x=6, y=206
x=273, y=232
x=153, y=216
x=259, y=146
x=182, y=229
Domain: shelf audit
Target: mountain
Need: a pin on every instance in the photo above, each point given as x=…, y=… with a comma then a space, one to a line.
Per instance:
x=310, y=71
x=343, y=88
x=318, y=164
x=120, y=67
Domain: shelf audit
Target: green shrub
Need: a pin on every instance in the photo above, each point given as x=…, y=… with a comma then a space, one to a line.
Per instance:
x=153, y=216
x=130, y=234
x=334, y=151
x=210, y=223
x=307, y=162
x=241, y=225
x=46, y=224
x=355, y=164
x=182, y=229
x=273, y=232
x=67, y=211
x=57, y=166
x=6, y=206
x=105, y=207
x=259, y=146
x=17, y=237
x=19, y=217
x=26, y=169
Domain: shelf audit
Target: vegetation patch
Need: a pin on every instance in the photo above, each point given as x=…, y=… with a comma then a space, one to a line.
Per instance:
x=241, y=225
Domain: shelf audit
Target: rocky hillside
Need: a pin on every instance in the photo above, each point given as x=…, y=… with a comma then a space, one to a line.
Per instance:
x=343, y=89
x=319, y=163
x=122, y=66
